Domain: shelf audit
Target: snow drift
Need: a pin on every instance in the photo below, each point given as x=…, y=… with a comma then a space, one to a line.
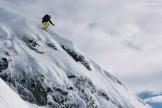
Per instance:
x=49, y=70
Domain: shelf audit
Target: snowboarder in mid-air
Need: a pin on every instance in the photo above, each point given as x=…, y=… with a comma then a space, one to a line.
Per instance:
x=46, y=21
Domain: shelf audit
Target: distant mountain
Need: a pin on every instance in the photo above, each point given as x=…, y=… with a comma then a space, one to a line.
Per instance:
x=46, y=69
x=152, y=98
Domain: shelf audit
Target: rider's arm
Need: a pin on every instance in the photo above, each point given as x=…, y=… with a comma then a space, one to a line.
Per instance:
x=51, y=22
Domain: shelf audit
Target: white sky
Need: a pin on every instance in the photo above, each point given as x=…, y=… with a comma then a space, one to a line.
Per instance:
x=122, y=36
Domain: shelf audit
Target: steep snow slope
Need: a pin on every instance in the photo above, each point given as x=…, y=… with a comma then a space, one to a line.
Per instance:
x=9, y=99
x=46, y=69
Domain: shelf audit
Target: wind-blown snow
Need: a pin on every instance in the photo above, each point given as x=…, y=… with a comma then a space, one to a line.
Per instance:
x=46, y=69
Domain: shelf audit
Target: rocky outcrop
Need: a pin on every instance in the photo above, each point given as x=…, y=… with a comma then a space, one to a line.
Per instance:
x=77, y=57
x=3, y=64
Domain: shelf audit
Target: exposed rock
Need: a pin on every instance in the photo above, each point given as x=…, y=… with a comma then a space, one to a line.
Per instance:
x=3, y=64
x=77, y=58
x=32, y=44
x=52, y=46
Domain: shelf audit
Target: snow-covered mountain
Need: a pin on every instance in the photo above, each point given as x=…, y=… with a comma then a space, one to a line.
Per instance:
x=48, y=70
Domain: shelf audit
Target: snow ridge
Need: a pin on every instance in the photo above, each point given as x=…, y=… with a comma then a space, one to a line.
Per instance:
x=48, y=70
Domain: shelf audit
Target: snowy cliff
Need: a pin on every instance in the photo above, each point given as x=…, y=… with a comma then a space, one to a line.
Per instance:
x=49, y=70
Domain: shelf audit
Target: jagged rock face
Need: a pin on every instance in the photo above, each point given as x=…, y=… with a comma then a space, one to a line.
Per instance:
x=35, y=90
x=3, y=64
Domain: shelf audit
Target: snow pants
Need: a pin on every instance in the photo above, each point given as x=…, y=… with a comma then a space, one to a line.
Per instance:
x=46, y=25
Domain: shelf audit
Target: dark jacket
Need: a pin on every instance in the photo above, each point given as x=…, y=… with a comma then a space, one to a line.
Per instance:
x=47, y=18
